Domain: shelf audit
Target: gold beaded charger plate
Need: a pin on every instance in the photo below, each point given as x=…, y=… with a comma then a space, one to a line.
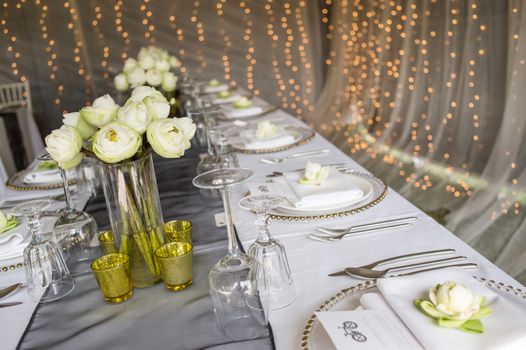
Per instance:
x=374, y=189
x=314, y=336
x=17, y=183
x=300, y=136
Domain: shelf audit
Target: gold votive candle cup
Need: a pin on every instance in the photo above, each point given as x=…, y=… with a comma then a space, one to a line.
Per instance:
x=175, y=259
x=107, y=242
x=178, y=231
x=112, y=273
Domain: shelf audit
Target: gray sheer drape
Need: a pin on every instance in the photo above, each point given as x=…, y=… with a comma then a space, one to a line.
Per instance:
x=425, y=93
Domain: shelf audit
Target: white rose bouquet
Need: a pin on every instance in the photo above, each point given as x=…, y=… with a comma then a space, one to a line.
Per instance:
x=152, y=67
x=115, y=134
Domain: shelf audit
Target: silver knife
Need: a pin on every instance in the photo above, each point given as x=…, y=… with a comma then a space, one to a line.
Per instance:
x=13, y=303
x=8, y=290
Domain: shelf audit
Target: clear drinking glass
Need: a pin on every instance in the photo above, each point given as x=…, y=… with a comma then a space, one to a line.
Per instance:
x=74, y=231
x=230, y=286
x=272, y=274
x=47, y=275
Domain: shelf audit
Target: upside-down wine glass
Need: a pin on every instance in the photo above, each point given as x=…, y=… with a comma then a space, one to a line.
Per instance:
x=47, y=275
x=230, y=286
x=74, y=230
x=272, y=274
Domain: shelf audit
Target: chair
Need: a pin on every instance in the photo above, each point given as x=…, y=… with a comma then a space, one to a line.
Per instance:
x=15, y=99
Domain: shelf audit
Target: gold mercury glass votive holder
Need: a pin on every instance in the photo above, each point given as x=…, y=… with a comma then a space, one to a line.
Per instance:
x=112, y=273
x=107, y=242
x=175, y=259
x=178, y=231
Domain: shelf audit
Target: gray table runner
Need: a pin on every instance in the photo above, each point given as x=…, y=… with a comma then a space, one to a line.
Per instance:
x=154, y=318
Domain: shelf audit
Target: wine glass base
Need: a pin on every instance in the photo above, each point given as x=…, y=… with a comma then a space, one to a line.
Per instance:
x=243, y=328
x=58, y=290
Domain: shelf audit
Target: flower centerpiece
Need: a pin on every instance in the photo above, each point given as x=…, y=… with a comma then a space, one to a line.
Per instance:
x=123, y=138
x=151, y=67
x=453, y=305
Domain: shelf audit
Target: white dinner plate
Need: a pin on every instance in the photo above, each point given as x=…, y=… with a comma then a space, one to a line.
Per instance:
x=362, y=183
x=300, y=135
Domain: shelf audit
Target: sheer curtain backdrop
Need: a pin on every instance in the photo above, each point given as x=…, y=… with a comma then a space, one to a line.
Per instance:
x=424, y=93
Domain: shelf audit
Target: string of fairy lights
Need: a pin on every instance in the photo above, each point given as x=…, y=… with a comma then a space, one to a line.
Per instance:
x=384, y=48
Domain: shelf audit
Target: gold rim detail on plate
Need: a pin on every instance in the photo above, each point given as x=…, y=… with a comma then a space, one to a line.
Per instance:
x=307, y=136
x=20, y=175
x=11, y=267
x=364, y=286
x=338, y=214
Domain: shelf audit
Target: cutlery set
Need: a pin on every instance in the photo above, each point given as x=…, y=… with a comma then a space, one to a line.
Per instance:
x=368, y=271
x=295, y=156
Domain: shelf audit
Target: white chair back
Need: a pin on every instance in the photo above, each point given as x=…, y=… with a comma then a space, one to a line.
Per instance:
x=17, y=96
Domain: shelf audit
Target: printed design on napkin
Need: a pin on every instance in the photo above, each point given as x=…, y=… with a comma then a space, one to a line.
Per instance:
x=349, y=329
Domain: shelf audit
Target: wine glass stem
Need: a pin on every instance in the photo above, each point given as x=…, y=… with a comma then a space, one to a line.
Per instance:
x=33, y=223
x=209, y=144
x=233, y=247
x=69, y=203
x=262, y=223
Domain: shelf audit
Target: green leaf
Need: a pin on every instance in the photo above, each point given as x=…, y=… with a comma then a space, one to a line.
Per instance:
x=449, y=323
x=483, y=312
x=472, y=326
x=428, y=308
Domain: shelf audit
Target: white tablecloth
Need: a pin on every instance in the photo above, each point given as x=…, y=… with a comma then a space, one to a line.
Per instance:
x=311, y=261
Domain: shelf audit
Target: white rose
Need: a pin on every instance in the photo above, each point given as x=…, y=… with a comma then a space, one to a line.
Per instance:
x=103, y=111
x=158, y=106
x=136, y=77
x=147, y=61
x=174, y=62
x=314, y=174
x=130, y=64
x=266, y=130
x=121, y=82
x=187, y=126
x=75, y=120
x=455, y=300
x=163, y=65
x=167, y=137
x=154, y=77
x=116, y=142
x=169, y=82
x=64, y=146
x=135, y=115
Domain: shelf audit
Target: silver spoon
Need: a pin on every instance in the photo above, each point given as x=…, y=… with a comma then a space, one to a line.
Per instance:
x=372, y=274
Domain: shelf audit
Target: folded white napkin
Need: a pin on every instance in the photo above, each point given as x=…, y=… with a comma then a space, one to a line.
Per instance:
x=232, y=113
x=12, y=243
x=335, y=190
x=215, y=89
x=282, y=138
x=230, y=99
x=504, y=328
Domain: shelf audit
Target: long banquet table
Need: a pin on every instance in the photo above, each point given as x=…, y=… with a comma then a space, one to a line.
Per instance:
x=184, y=320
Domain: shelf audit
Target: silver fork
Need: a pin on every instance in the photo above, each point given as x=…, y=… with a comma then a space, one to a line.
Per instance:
x=337, y=232
x=357, y=232
x=295, y=155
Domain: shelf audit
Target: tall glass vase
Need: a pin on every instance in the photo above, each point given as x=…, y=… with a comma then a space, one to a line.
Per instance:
x=135, y=213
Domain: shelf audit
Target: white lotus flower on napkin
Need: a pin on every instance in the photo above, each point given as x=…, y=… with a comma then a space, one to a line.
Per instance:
x=224, y=94
x=154, y=77
x=170, y=137
x=314, y=174
x=7, y=222
x=135, y=115
x=266, y=130
x=75, y=120
x=214, y=82
x=103, y=111
x=64, y=146
x=115, y=142
x=121, y=82
x=129, y=65
x=243, y=102
x=455, y=301
x=137, y=77
x=169, y=81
